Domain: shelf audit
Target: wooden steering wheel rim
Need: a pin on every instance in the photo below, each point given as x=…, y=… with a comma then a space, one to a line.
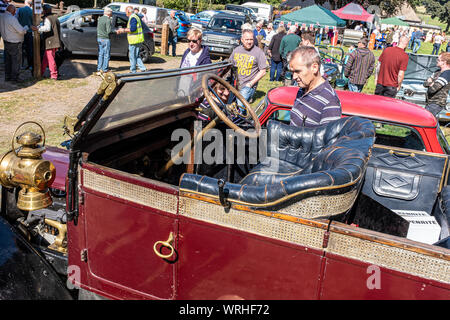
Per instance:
x=221, y=114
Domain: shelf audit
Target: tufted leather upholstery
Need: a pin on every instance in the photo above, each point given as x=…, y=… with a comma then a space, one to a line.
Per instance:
x=329, y=159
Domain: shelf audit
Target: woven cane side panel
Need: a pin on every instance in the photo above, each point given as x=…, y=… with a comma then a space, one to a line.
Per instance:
x=131, y=192
x=254, y=223
x=390, y=257
x=321, y=206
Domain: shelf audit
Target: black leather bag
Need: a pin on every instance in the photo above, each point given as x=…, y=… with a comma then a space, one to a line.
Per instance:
x=404, y=180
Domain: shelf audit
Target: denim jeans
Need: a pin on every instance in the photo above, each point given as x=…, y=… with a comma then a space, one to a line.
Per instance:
x=247, y=93
x=173, y=42
x=355, y=87
x=134, y=58
x=416, y=45
x=275, y=67
x=104, y=51
x=436, y=48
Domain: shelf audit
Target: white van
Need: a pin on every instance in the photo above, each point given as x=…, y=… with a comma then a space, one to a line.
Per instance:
x=263, y=10
x=155, y=15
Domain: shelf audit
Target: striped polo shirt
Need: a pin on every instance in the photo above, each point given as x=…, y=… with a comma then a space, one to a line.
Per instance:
x=3, y=6
x=319, y=106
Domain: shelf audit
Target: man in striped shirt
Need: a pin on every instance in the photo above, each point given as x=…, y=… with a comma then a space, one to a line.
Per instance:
x=359, y=66
x=316, y=103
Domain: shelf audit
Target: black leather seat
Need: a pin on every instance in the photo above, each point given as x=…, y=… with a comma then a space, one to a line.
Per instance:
x=329, y=160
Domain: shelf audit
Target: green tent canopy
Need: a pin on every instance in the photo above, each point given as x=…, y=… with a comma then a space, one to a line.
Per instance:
x=394, y=21
x=314, y=14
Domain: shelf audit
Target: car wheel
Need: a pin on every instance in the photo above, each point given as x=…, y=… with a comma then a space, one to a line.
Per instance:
x=144, y=53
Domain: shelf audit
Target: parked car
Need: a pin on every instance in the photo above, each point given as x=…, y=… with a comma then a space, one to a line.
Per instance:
x=223, y=33
x=201, y=19
x=130, y=221
x=184, y=23
x=410, y=126
x=245, y=10
x=79, y=34
x=264, y=11
x=420, y=67
x=155, y=15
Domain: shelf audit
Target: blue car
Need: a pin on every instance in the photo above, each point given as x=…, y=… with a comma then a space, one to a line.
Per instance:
x=201, y=19
x=184, y=22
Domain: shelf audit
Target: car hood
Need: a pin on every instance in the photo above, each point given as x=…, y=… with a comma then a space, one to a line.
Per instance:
x=420, y=67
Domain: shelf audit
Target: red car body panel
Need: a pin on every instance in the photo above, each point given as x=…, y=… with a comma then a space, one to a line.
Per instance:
x=367, y=106
x=60, y=159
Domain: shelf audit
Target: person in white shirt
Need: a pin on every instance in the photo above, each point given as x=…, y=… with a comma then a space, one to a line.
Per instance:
x=13, y=34
x=437, y=44
x=195, y=55
x=269, y=35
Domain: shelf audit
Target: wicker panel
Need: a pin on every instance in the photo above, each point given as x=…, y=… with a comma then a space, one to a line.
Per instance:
x=131, y=192
x=315, y=207
x=252, y=222
x=394, y=258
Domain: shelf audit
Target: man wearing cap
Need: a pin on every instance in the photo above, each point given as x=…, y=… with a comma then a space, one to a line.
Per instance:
x=359, y=66
x=50, y=33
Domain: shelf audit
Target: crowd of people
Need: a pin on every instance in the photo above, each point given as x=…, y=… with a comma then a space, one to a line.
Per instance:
x=282, y=50
x=16, y=30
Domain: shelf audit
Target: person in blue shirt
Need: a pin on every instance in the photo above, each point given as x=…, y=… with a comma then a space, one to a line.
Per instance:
x=25, y=17
x=259, y=31
x=417, y=40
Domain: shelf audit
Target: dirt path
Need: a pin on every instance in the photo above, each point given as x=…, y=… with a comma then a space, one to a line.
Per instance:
x=48, y=102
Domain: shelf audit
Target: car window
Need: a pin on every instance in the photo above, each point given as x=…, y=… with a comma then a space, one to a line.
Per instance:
x=226, y=23
x=89, y=20
x=387, y=134
x=398, y=136
x=121, y=22
x=443, y=141
x=114, y=7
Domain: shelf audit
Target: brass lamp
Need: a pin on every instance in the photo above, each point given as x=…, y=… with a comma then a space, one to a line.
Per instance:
x=24, y=167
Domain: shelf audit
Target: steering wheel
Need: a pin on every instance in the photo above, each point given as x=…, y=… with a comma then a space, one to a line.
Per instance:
x=229, y=110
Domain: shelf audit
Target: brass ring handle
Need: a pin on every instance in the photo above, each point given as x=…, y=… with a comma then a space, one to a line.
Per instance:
x=167, y=244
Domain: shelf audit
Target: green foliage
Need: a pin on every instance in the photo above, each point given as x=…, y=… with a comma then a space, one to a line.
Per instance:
x=439, y=9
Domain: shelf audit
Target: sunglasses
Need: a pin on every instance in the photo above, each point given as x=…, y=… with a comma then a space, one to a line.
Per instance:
x=194, y=41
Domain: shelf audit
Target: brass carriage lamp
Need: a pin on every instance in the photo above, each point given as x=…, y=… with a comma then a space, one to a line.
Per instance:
x=24, y=167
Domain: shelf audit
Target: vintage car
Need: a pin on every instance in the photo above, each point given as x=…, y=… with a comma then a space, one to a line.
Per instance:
x=130, y=212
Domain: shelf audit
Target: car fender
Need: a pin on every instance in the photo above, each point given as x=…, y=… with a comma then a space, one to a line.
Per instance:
x=24, y=273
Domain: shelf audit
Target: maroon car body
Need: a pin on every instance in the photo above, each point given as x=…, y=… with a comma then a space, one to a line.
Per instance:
x=119, y=219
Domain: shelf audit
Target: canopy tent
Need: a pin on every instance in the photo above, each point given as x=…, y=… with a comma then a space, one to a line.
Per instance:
x=353, y=11
x=316, y=15
x=394, y=21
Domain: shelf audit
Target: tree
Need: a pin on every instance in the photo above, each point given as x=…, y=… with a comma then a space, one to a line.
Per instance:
x=439, y=9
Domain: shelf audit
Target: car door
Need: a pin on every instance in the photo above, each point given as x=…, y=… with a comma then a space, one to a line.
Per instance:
x=235, y=254
x=83, y=36
x=119, y=42
x=131, y=233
